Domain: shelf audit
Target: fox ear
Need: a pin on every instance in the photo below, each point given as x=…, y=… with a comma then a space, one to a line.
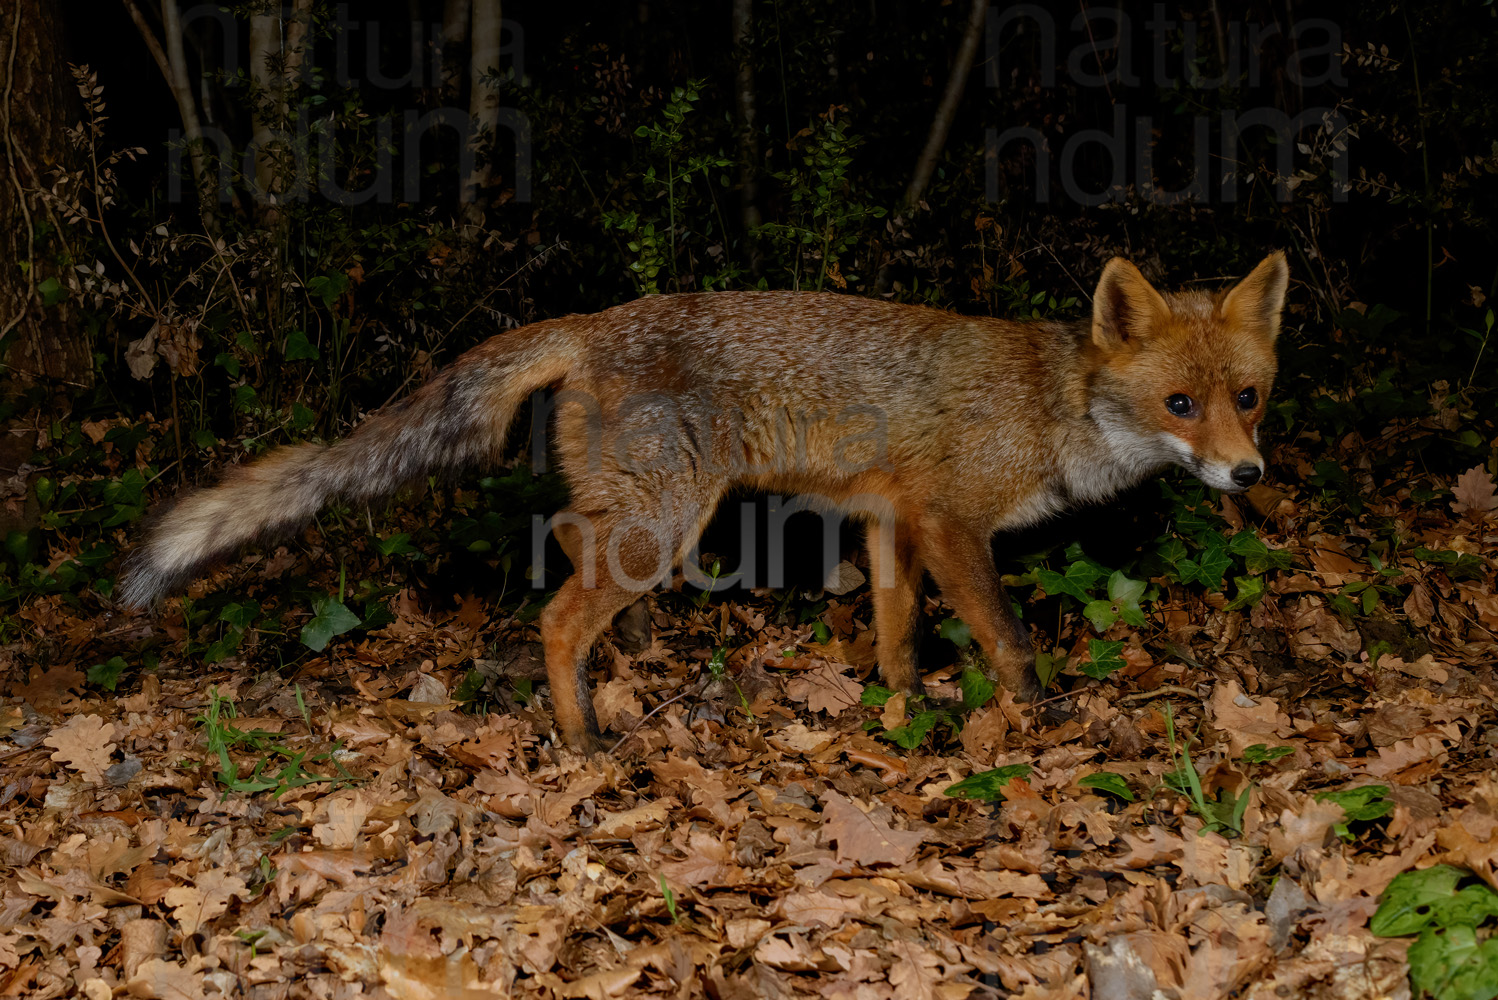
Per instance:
x=1255, y=302
x=1125, y=306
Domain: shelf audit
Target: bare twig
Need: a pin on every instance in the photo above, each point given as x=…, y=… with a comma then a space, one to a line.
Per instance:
x=1136, y=696
x=1157, y=692
x=483, y=108
x=532, y=262
x=1087, y=295
x=149, y=37
x=694, y=689
x=93, y=159
x=1087, y=21
x=947, y=110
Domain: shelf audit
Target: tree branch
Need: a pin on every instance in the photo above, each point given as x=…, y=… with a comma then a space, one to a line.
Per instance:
x=947, y=110
x=171, y=59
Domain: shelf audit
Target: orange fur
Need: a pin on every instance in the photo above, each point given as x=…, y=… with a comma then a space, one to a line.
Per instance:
x=935, y=429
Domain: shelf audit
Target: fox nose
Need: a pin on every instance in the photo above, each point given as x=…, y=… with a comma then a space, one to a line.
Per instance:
x=1246, y=474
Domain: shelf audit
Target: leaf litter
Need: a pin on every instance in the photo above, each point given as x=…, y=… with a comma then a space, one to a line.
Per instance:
x=1214, y=809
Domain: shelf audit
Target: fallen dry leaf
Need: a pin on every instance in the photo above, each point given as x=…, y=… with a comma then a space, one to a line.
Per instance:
x=1475, y=493
x=866, y=837
x=84, y=744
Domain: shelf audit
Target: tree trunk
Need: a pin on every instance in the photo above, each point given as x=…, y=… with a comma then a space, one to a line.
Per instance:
x=265, y=52
x=743, y=29
x=942, y=123
x=455, y=17
x=276, y=47
x=171, y=59
x=483, y=109
x=40, y=100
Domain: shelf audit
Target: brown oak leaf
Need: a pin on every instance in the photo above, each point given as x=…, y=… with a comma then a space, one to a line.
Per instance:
x=1475, y=493
x=826, y=689
x=194, y=905
x=84, y=744
x=866, y=838
x=1246, y=720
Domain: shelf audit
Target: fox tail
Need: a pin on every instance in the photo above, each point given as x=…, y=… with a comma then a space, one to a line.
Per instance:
x=458, y=419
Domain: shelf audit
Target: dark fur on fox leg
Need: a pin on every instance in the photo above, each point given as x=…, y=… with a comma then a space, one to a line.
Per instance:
x=592, y=741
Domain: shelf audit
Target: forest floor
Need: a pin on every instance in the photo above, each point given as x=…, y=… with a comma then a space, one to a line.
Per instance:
x=360, y=824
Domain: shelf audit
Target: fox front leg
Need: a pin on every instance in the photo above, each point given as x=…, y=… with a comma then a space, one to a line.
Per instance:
x=961, y=562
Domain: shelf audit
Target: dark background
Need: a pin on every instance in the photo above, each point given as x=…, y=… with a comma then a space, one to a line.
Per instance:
x=276, y=323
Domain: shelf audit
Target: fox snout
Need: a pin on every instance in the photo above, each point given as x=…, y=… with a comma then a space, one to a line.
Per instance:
x=1219, y=445
x=1234, y=477
x=1231, y=473
x=1245, y=474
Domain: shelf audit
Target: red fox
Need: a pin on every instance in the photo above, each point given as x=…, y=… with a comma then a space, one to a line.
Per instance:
x=934, y=428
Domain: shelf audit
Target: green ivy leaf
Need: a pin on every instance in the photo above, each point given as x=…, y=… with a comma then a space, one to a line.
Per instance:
x=1078, y=580
x=1451, y=964
x=398, y=544
x=298, y=347
x=910, y=735
x=52, y=291
x=470, y=687
x=1126, y=595
x=328, y=287
x=1172, y=552
x=1257, y=557
x=1107, y=781
x=1250, y=591
x=220, y=648
x=1360, y=805
x=1105, y=658
x=1262, y=753
x=1100, y=614
x=378, y=616
x=1123, y=590
x=331, y=618
x=976, y=689
x=241, y=614
x=987, y=785
x=957, y=631
x=107, y=674
x=1212, y=564
x=95, y=555
x=1417, y=900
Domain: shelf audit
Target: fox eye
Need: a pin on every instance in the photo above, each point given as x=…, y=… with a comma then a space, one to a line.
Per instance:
x=1248, y=398
x=1180, y=404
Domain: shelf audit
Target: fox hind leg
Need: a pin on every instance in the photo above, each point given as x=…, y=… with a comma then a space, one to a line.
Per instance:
x=631, y=625
x=569, y=626
x=616, y=560
x=895, y=572
x=599, y=588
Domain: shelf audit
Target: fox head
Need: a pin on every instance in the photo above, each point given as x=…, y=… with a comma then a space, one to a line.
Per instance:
x=1184, y=377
